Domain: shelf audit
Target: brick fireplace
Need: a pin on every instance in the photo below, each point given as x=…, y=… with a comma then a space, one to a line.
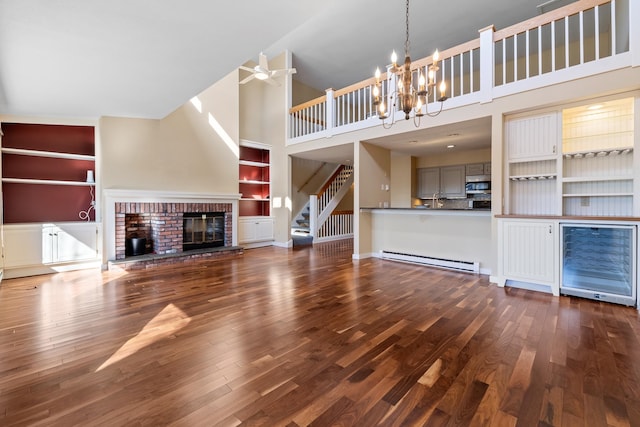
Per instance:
x=161, y=224
x=157, y=217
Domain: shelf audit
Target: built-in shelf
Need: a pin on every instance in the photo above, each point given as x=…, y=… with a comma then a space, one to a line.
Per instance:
x=532, y=177
x=46, y=182
x=49, y=154
x=596, y=178
x=246, y=181
x=256, y=164
x=598, y=153
x=254, y=179
x=599, y=195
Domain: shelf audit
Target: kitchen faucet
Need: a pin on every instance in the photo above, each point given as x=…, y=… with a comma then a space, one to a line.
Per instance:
x=435, y=201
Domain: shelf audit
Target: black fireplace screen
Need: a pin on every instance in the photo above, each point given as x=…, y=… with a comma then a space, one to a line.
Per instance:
x=202, y=230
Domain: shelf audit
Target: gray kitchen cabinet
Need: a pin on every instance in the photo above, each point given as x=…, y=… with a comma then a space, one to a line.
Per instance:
x=452, y=182
x=446, y=182
x=428, y=182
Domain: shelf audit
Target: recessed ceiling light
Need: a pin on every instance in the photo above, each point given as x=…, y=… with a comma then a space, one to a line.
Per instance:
x=453, y=134
x=450, y=146
x=594, y=107
x=413, y=141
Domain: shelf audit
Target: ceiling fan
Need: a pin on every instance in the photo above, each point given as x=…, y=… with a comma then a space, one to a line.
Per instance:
x=262, y=72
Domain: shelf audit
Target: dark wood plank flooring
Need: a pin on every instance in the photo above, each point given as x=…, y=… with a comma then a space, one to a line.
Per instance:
x=301, y=337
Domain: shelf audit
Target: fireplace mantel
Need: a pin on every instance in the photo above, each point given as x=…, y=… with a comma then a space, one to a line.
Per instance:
x=113, y=196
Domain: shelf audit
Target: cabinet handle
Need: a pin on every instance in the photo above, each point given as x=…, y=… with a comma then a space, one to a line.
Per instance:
x=549, y=229
x=554, y=149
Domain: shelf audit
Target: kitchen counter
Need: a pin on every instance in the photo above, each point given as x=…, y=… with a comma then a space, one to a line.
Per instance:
x=430, y=211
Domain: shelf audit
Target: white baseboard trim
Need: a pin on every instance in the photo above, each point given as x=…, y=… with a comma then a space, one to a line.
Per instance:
x=288, y=244
x=36, y=270
x=363, y=256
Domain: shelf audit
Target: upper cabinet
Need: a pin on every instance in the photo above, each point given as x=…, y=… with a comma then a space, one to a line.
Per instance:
x=447, y=181
x=48, y=172
x=428, y=182
x=452, y=182
x=587, y=170
x=533, y=138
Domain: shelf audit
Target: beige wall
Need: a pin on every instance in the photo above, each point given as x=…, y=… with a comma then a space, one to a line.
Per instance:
x=372, y=170
x=455, y=157
x=182, y=152
x=403, y=180
x=303, y=93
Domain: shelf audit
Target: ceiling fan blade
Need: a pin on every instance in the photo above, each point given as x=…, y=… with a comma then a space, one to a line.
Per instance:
x=247, y=79
x=242, y=67
x=262, y=61
x=283, y=72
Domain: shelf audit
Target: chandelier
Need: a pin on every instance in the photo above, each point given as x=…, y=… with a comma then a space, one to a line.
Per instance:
x=410, y=95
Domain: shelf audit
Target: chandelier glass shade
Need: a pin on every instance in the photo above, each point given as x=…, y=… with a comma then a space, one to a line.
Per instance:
x=408, y=87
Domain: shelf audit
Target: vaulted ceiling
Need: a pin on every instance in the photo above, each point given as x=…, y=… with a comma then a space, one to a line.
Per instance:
x=144, y=58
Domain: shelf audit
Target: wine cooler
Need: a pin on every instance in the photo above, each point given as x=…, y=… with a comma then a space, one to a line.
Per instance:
x=599, y=262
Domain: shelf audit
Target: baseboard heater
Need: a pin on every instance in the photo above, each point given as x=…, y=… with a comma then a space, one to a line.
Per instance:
x=472, y=267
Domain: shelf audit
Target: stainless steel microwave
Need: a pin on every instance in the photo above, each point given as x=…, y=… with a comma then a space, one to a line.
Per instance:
x=478, y=184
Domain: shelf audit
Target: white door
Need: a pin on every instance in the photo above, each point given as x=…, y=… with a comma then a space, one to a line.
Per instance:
x=75, y=242
x=428, y=182
x=452, y=181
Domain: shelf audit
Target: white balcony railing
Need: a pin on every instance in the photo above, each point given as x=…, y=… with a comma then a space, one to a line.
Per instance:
x=586, y=37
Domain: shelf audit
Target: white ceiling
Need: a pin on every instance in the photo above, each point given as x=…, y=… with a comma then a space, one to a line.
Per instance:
x=144, y=58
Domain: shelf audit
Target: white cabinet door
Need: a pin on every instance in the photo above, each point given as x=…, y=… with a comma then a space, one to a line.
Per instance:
x=529, y=252
x=428, y=182
x=264, y=229
x=533, y=138
x=452, y=181
x=75, y=242
x=29, y=245
x=475, y=169
x=255, y=229
x=24, y=245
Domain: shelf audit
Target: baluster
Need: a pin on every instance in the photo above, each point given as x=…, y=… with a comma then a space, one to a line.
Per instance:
x=581, y=18
x=553, y=46
x=613, y=28
x=540, y=50
x=597, y=31
x=566, y=42
x=527, y=53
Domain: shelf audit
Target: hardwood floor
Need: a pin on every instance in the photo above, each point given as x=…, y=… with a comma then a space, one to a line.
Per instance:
x=300, y=337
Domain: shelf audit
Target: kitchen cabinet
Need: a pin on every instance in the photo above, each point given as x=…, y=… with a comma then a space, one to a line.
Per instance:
x=475, y=169
x=428, y=182
x=448, y=182
x=452, y=182
x=528, y=252
x=257, y=229
x=533, y=137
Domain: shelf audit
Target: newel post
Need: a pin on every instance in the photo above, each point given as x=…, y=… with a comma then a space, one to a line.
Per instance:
x=330, y=111
x=487, y=71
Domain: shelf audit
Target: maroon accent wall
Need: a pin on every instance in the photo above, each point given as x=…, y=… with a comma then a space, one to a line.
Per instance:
x=24, y=203
x=16, y=166
x=60, y=138
x=44, y=203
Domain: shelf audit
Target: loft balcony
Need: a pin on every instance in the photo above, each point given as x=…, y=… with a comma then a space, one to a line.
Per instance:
x=583, y=39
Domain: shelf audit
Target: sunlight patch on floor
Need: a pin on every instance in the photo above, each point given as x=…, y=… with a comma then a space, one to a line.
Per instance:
x=170, y=320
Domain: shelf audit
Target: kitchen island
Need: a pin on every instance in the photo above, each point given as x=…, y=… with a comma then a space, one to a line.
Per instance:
x=458, y=235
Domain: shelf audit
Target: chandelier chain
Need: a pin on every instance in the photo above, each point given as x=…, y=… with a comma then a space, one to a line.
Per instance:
x=406, y=42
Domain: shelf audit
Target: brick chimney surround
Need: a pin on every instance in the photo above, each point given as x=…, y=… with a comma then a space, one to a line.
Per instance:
x=158, y=217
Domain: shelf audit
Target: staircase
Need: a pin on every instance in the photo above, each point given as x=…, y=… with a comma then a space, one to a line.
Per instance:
x=315, y=219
